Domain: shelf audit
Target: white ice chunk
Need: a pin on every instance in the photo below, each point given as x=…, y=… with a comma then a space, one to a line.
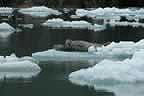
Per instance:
x=19, y=66
x=40, y=11
x=114, y=51
x=29, y=58
x=62, y=56
x=119, y=50
x=125, y=23
x=109, y=13
x=14, y=64
x=13, y=58
x=60, y=23
x=5, y=11
x=6, y=30
x=110, y=72
x=120, y=77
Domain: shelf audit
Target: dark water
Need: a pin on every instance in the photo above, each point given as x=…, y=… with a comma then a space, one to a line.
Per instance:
x=53, y=79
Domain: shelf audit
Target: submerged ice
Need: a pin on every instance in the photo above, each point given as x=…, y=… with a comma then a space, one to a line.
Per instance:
x=40, y=11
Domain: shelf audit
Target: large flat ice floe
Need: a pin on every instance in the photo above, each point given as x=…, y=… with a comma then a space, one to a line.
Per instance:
x=114, y=51
x=6, y=30
x=118, y=76
x=60, y=23
x=40, y=11
x=52, y=54
x=111, y=13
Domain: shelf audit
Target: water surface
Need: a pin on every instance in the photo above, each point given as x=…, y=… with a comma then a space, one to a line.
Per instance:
x=53, y=79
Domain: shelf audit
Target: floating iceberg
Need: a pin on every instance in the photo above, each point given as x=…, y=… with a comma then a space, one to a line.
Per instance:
x=6, y=30
x=60, y=23
x=117, y=76
x=109, y=13
x=6, y=11
x=19, y=66
x=40, y=11
x=15, y=64
x=125, y=23
x=121, y=50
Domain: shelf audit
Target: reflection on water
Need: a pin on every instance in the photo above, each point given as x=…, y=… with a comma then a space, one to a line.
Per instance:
x=17, y=75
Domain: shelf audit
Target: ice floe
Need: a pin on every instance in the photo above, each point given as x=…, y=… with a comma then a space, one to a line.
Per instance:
x=109, y=13
x=6, y=11
x=114, y=51
x=113, y=75
x=52, y=54
x=125, y=23
x=121, y=50
x=14, y=64
x=6, y=30
x=39, y=11
x=60, y=23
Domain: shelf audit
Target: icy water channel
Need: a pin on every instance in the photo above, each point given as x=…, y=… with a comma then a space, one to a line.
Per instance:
x=53, y=79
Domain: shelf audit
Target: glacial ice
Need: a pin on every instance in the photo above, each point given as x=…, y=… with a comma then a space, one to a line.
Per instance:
x=121, y=50
x=112, y=72
x=125, y=23
x=121, y=77
x=6, y=10
x=14, y=64
x=60, y=23
x=114, y=51
x=6, y=30
x=6, y=27
x=109, y=13
x=40, y=11
x=52, y=54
